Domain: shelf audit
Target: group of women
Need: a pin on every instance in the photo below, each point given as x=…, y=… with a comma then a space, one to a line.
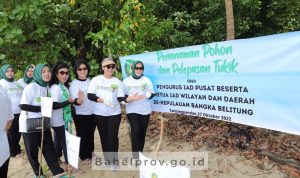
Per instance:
x=96, y=103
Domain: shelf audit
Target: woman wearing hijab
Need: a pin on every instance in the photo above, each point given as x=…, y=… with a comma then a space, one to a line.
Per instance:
x=138, y=92
x=104, y=90
x=83, y=119
x=14, y=92
x=27, y=77
x=31, y=108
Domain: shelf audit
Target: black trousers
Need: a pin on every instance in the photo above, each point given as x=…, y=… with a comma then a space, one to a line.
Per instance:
x=138, y=124
x=108, y=128
x=85, y=129
x=14, y=137
x=60, y=144
x=4, y=169
x=32, y=143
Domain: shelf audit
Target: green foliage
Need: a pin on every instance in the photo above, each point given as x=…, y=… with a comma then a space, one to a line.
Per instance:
x=27, y=32
x=283, y=16
x=39, y=31
x=124, y=33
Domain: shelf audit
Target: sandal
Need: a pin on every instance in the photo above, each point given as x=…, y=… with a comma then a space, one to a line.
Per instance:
x=60, y=161
x=61, y=175
x=19, y=155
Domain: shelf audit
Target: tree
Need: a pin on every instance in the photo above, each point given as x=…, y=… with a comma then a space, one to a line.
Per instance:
x=229, y=20
x=54, y=30
x=50, y=31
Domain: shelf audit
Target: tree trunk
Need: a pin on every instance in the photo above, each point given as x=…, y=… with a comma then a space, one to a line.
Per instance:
x=229, y=20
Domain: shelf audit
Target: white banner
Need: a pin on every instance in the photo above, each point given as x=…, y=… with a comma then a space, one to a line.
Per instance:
x=46, y=106
x=73, y=146
x=249, y=81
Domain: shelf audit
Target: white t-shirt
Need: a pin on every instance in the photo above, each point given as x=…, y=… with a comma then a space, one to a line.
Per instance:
x=141, y=87
x=14, y=92
x=6, y=114
x=21, y=83
x=87, y=106
x=32, y=94
x=57, y=114
x=108, y=90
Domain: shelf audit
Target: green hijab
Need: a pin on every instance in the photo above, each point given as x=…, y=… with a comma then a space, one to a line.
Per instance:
x=3, y=70
x=133, y=71
x=37, y=75
x=25, y=77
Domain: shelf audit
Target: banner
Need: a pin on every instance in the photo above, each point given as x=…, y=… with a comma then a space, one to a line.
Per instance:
x=73, y=146
x=46, y=106
x=253, y=81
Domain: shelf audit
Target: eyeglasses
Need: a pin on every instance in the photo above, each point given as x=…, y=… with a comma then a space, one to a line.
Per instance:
x=80, y=69
x=139, y=68
x=110, y=66
x=64, y=73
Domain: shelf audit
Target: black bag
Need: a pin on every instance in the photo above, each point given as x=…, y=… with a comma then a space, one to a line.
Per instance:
x=73, y=111
x=35, y=124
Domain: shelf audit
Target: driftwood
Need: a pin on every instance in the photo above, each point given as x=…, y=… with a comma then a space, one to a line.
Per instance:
x=281, y=148
x=295, y=148
x=277, y=159
x=252, y=175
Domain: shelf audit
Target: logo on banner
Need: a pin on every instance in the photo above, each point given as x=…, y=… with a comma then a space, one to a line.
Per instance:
x=128, y=65
x=153, y=175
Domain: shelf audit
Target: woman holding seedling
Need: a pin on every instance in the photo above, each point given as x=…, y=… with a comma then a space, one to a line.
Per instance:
x=105, y=90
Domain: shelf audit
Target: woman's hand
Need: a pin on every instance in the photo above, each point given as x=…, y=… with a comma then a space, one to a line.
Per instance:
x=100, y=100
x=135, y=97
x=80, y=97
x=8, y=125
x=71, y=100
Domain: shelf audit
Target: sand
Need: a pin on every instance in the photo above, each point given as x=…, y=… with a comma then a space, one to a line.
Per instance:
x=219, y=164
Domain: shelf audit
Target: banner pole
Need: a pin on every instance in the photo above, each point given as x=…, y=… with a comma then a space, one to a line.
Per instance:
x=41, y=150
x=162, y=125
